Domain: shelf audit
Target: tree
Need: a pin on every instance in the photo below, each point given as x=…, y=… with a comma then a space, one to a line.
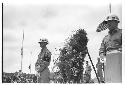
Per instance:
x=72, y=56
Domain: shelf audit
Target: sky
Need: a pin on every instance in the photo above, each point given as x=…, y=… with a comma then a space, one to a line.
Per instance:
x=55, y=22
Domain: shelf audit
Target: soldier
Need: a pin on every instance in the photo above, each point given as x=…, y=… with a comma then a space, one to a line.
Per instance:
x=88, y=71
x=43, y=62
x=99, y=67
x=111, y=49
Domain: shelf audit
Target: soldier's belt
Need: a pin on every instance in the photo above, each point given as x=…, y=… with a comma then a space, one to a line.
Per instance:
x=113, y=51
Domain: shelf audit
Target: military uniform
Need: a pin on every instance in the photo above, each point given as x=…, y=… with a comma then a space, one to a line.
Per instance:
x=99, y=67
x=88, y=73
x=111, y=49
x=41, y=66
x=88, y=70
x=113, y=41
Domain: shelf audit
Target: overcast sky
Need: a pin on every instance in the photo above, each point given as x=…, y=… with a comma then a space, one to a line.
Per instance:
x=54, y=22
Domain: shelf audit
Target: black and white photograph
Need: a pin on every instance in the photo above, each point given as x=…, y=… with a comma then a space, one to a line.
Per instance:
x=62, y=42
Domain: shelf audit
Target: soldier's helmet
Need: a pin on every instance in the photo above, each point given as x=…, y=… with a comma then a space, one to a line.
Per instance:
x=112, y=17
x=44, y=40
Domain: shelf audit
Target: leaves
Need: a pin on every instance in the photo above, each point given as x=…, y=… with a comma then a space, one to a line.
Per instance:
x=72, y=56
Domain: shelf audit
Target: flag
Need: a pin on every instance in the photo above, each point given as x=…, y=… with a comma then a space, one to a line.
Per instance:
x=102, y=26
x=22, y=44
x=30, y=66
x=22, y=51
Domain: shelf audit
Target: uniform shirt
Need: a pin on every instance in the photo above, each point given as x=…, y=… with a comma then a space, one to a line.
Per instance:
x=88, y=70
x=99, y=66
x=43, y=60
x=45, y=55
x=113, y=41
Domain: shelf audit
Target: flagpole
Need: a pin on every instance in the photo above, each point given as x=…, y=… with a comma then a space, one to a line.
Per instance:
x=22, y=51
x=110, y=8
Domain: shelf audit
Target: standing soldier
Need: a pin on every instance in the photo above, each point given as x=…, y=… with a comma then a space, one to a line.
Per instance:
x=99, y=67
x=111, y=49
x=43, y=62
x=88, y=72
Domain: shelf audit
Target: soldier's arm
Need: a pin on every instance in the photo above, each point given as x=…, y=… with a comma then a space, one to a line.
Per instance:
x=102, y=50
x=37, y=66
x=96, y=65
x=120, y=40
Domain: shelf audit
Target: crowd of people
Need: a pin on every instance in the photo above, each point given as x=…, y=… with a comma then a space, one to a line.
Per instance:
x=18, y=78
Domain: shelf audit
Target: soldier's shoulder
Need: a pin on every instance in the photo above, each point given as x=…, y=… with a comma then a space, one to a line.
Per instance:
x=48, y=51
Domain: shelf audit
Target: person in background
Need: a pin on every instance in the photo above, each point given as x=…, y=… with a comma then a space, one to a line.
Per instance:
x=88, y=70
x=99, y=67
x=43, y=62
